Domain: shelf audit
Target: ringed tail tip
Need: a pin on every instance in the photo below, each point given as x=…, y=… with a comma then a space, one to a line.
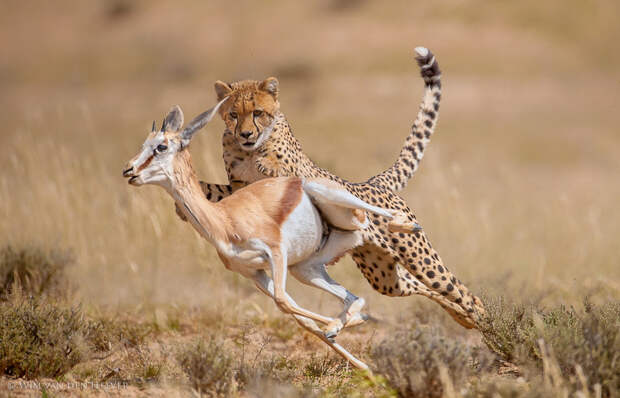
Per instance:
x=421, y=51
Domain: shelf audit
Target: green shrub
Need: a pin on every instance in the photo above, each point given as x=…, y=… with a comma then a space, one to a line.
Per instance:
x=508, y=329
x=34, y=271
x=424, y=363
x=40, y=340
x=493, y=387
x=215, y=369
x=106, y=331
x=589, y=339
x=209, y=367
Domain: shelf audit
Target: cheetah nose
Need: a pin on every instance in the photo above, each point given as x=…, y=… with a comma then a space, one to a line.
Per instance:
x=245, y=134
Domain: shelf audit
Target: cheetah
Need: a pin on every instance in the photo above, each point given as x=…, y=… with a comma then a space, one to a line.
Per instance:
x=259, y=143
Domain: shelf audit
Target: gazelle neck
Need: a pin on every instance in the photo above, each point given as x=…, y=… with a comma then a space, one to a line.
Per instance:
x=206, y=217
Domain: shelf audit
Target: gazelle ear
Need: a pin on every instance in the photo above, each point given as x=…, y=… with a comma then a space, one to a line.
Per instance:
x=174, y=120
x=222, y=89
x=270, y=85
x=199, y=122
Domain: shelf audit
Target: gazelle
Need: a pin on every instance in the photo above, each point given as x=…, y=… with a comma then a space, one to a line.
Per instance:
x=272, y=224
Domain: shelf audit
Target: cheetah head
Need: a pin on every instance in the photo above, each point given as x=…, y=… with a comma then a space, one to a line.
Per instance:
x=250, y=111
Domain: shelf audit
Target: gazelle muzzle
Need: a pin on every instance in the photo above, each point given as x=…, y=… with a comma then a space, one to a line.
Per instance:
x=129, y=173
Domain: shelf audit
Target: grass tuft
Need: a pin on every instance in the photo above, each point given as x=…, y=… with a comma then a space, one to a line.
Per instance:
x=34, y=271
x=584, y=345
x=106, y=331
x=209, y=367
x=43, y=338
x=38, y=339
x=424, y=363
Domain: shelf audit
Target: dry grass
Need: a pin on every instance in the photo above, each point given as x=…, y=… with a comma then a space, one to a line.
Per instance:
x=39, y=339
x=423, y=362
x=582, y=346
x=517, y=190
x=33, y=272
x=209, y=367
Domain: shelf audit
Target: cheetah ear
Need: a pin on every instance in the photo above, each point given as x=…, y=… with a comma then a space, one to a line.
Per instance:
x=222, y=89
x=270, y=85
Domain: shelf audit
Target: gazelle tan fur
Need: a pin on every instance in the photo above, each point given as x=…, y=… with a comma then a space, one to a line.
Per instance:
x=271, y=225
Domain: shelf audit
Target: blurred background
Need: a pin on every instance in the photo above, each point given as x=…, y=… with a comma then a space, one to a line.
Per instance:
x=518, y=189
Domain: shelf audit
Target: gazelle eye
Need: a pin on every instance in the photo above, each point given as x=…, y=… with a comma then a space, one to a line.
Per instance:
x=257, y=113
x=161, y=148
x=233, y=115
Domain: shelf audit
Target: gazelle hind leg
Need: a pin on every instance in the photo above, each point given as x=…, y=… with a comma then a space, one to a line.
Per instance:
x=312, y=327
x=336, y=204
x=329, y=192
x=400, y=223
x=312, y=272
x=315, y=275
x=265, y=284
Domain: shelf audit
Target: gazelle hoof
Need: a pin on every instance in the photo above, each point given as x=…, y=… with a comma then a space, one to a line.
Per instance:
x=331, y=335
x=357, y=319
x=334, y=328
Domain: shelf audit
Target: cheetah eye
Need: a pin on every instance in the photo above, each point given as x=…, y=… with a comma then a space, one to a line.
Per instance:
x=257, y=113
x=161, y=148
x=233, y=115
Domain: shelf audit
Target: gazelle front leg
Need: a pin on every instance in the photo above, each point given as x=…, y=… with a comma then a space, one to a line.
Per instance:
x=279, y=268
x=257, y=251
x=266, y=285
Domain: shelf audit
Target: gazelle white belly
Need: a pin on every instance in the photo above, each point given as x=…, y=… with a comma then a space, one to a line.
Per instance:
x=302, y=232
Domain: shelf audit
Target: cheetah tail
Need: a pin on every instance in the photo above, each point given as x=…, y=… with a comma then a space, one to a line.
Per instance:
x=400, y=223
x=396, y=177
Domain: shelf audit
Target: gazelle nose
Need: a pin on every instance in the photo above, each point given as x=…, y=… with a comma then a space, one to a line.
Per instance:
x=128, y=171
x=245, y=134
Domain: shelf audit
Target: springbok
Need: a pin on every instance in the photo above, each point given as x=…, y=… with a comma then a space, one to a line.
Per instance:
x=269, y=225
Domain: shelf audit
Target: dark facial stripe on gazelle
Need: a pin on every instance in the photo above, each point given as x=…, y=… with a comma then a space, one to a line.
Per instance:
x=150, y=159
x=145, y=164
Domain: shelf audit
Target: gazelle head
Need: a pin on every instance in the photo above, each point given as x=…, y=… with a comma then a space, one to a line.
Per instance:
x=154, y=163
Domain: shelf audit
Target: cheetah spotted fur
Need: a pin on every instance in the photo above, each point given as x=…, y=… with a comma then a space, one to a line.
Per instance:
x=258, y=143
